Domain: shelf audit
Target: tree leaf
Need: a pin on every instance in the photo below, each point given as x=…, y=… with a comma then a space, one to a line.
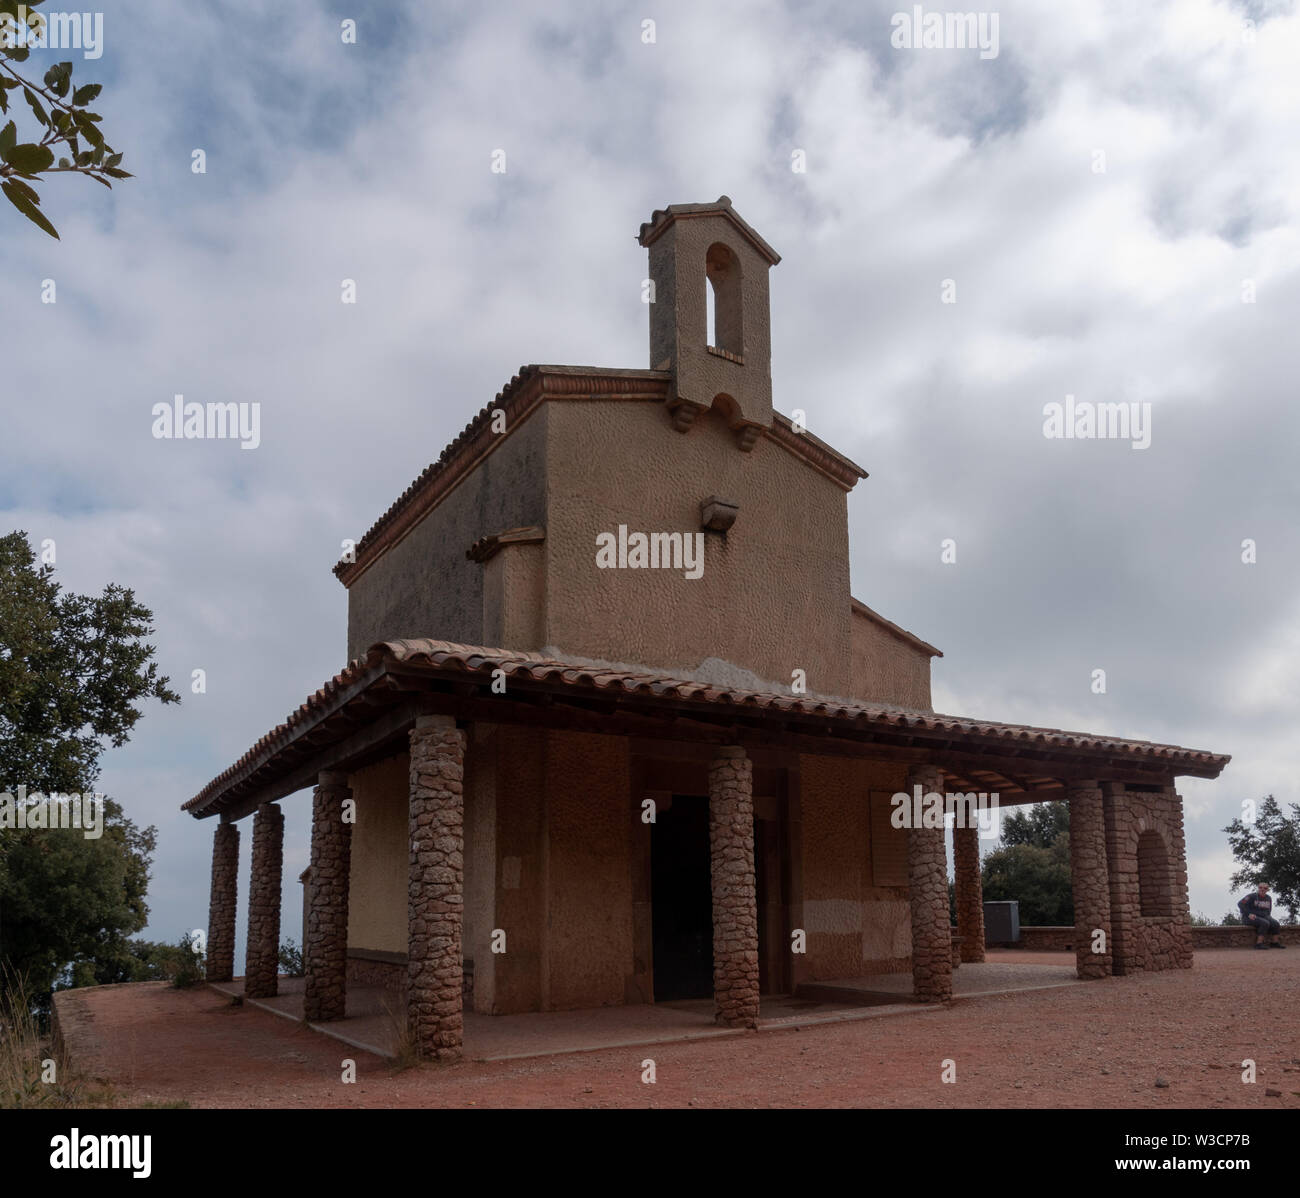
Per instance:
x=29, y=158
x=8, y=138
x=36, y=107
x=57, y=78
x=117, y=174
x=88, y=130
x=23, y=189
x=84, y=95
x=27, y=208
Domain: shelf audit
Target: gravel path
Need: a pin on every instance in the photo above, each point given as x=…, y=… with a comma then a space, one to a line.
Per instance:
x=1109, y=1043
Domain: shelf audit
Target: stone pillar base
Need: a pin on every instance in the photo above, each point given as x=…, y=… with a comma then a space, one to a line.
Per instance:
x=262, y=962
x=927, y=879
x=327, y=933
x=436, y=888
x=220, y=964
x=735, y=909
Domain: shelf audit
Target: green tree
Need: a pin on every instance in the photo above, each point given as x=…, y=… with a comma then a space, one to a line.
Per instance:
x=70, y=903
x=1268, y=850
x=1040, y=825
x=74, y=672
x=59, y=112
x=1031, y=865
x=1038, y=878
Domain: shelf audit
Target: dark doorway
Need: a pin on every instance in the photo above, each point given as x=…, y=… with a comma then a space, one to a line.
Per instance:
x=681, y=900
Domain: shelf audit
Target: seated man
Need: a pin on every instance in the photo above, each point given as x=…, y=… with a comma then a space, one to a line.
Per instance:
x=1257, y=912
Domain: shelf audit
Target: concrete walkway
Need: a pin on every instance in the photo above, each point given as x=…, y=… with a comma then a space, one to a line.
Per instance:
x=373, y=1026
x=987, y=977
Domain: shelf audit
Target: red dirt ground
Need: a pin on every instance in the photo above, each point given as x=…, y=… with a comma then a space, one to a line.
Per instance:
x=1103, y=1044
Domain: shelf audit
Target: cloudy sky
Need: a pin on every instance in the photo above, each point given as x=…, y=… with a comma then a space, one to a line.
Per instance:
x=372, y=161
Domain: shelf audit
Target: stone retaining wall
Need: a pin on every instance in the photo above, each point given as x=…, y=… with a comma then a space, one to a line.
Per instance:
x=1057, y=939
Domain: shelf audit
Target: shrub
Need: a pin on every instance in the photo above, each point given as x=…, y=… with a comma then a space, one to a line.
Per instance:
x=188, y=969
x=291, y=959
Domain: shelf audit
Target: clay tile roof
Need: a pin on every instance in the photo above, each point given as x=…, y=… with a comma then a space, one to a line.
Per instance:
x=445, y=657
x=661, y=218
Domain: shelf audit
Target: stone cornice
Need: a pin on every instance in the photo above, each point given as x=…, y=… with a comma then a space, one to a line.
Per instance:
x=820, y=456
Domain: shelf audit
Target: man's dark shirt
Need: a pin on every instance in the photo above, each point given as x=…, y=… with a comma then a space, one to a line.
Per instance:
x=1254, y=904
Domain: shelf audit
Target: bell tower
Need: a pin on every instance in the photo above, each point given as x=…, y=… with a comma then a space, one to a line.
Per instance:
x=710, y=322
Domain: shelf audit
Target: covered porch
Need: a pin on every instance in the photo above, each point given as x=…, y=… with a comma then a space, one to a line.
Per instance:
x=375, y=1017
x=425, y=699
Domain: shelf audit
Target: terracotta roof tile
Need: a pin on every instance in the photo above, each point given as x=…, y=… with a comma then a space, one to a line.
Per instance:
x=601, y=676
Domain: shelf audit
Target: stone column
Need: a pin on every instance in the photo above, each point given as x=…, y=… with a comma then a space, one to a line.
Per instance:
x=1121, y=865
x=436, y=888
x=1089, y=878
x=927, y=880
x=970, y=892
x=735, y=909
x=262, y=958
x=1182, y=908
x=222, y=902
x=326, y=935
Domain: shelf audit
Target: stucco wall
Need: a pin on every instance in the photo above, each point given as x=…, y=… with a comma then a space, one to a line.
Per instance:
x=480, y=860
x=887, y=669
x=589, y=929
x=563, y=892
x=854, y=924
x=514, y=597
x=774, y=595
x=424, y=585
x=521, y=865
x=377, y=881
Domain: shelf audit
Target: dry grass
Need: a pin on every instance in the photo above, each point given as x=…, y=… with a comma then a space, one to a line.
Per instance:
x=31, y=1073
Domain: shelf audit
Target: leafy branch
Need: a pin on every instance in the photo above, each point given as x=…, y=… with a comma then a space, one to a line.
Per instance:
x=64, y=120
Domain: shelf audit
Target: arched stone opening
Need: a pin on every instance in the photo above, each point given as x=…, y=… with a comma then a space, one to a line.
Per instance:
x=1155, y=889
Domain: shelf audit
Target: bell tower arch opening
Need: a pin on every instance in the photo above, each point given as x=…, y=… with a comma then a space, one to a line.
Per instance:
x=712, y=333
x=725, y=298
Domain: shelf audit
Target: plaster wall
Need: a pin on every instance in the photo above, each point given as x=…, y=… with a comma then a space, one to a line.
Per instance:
x=854, y=911
x=887, y=669
x=424, y=586
x=377, y=886
x=774, y=594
